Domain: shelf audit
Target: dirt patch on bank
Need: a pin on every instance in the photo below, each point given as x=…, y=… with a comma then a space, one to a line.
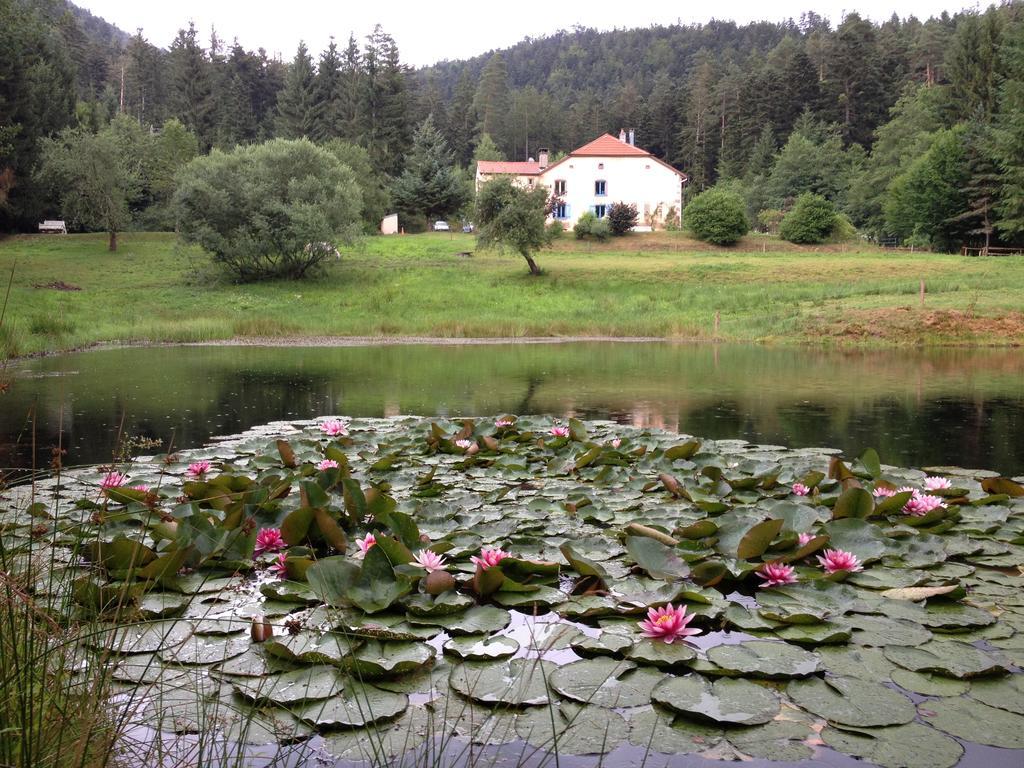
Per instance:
x=906, y=325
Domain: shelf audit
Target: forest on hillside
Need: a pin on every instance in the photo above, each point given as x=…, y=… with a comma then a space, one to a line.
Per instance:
x=913, y=128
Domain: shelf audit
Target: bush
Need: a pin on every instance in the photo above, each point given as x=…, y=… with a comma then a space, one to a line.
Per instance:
x=811, y=220
x=589, y=225
x=622, y=217
x=268, y=210
x=717, y=216
x=554, y=231
x=509, y=216
x=768, y=220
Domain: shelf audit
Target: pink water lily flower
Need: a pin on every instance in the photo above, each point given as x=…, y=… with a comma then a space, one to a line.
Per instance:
x=326, y=464
x=364, y=544
x=937, y=483
x=280, y=567
x=804, y=538
x=616, y=442
x=429, y=561
x=560, y=431
x=269, y=540
x=333, y=427
x=141, y=488
x=504, y=422
x=667, y=624
x=799, y=489
x=922, y=504
x=465, y=444
x=835, y=560
x=198, y=468
x=113, y=480
x=881, y=492
x=776, y=574
x=489, y=557
x=908, y=489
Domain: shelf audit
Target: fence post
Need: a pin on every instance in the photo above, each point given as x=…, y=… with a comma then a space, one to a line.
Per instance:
x=922, y=293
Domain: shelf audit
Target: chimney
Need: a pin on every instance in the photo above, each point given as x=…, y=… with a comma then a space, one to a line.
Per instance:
x=622, y=135
x=542, y=158
x=632, y=137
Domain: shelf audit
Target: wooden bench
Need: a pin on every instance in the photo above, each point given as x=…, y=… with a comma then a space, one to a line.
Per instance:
x=53, y=225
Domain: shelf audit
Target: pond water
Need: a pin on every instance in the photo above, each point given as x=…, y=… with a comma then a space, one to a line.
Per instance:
x=915, y=407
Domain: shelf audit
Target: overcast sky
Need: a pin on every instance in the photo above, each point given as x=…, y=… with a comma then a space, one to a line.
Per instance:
x=427, y=32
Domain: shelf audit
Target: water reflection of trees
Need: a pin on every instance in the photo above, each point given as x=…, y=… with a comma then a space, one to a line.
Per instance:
x=914, y=408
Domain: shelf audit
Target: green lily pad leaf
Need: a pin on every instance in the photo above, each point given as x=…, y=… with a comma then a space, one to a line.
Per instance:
x=311, y=647
x=757, y=540
x=805, y=603
x=445, y=604
x=927, y=684
x=378, y=586
x=480, y=618
x=825, y=633
x=358, y=705
x=882, y=578
x=606, y=644
x=738, y=702
x=570, y=729
x=1004, y=692
x=145, y=638
x=765, y=659
x=946, y=657
x=955, y=616
x=384, y=743
x=582, y=565
x=882, y=630
x=316, y=682
x=516, y=683
x=900, y=746
x=206, y=649
x=852, y=701
x=606, y=682
x=659, y=560
x=780, y=740
x=853, y=502
x=477, y=648
x=588, y=607
x=252, y=663
x=916, y=594
x=672, y=734
x=851, y=661
x=137, y=668
x=385, y=659
x=540, y=598
x=861, y=537
x=290, y=592
x=971, y=720
x=657, y=653
x=163, y=605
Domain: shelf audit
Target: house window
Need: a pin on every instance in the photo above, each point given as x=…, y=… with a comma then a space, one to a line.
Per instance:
x=599, y=188
x=561, y=211
x=560, y=187
x=599, y=211
x=600, y=166
x=530, y=182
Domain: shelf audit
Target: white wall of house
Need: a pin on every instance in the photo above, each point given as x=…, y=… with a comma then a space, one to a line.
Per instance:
x=653, y=188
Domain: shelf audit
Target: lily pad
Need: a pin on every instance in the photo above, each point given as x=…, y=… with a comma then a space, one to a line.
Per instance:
x=517, y=683
x=900, y=746
x=973, y=721
x=947, y=657
x=658, y=653
x=571, y=729
x=672, y=734
x=779, y=740
x=736, y=702
x=606, y=683
x=316, y=682
x=481, y=648
x=851, y=701
x=927, y=684
x=384, y=659
x=1004, y=692
x=480, y=618
x=356, y=706
x=765, y=659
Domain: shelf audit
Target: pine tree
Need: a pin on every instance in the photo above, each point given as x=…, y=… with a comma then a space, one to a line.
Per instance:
x=493, y=101
x=326, y=90
x=191, y=90
x=1008, y=136
x=385, y=108
x=462, y=120
x=349, y=96
x=296, y=100
x=972, y=63
x=697, y=149
x=429, y=186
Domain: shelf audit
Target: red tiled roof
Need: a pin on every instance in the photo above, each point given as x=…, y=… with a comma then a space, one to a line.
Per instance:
x=608, y=146
x=519, y=169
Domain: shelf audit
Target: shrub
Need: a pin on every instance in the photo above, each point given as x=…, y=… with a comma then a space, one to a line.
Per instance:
x=768, y=220
x=622, y=217
x=589, y=225
x=717, y=216
x=554, y=231
x=511, y=217
x=268, y=210
x=811, y=220
x=584, y=224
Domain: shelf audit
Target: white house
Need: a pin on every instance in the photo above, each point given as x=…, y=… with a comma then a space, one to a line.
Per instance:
x=605, y=171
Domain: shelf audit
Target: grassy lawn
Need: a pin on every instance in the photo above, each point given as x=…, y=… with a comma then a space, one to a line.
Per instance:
x=661, y=284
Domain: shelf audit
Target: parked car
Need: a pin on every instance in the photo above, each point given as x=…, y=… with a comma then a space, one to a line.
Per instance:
x=467, y=228
x=441, y=226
